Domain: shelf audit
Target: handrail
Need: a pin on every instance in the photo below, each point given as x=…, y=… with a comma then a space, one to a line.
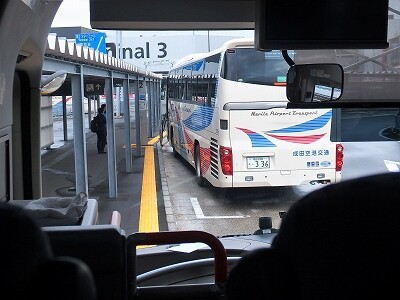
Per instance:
x=181, y=266
x=173, y=237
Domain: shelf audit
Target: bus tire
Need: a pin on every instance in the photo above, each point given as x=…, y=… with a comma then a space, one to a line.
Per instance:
x=199, y=177
x=176, y=154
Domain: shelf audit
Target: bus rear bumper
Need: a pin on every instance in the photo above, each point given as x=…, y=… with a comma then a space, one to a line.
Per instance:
x=285, y=178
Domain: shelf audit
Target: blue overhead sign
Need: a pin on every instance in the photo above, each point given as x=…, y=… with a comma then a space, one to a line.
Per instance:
x=97, y=41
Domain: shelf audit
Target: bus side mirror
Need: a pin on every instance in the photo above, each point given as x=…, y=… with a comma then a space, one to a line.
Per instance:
x=51, y=83
x=314, y=83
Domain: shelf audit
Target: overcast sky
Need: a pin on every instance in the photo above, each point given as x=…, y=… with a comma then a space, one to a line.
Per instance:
x=76, y=13
x=73, y=13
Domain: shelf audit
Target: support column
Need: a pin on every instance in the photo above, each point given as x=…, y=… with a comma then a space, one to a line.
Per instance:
x=111, y=153
x=81, y=176
x=137, y=119
x=158, y=102
x=64, y=117
x=127, y=121
x=150, y=108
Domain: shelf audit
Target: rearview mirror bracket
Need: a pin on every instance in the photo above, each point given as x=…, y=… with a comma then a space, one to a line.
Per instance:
x=287, y=58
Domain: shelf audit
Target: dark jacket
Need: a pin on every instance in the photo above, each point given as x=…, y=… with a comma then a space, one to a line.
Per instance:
x=101, y=124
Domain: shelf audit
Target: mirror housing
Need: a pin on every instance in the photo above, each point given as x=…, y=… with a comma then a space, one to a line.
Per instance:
x=51, y=83
x=314, y=83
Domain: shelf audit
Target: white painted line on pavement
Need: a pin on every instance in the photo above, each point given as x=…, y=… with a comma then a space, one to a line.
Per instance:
x=200, y=215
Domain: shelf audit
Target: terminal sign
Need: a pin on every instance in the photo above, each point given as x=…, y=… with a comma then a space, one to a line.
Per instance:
x=97, y=41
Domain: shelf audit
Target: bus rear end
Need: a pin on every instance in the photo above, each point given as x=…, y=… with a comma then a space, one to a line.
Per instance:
x=263, y=143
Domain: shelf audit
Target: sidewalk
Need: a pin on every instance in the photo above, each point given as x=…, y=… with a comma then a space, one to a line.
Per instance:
x=58, y=176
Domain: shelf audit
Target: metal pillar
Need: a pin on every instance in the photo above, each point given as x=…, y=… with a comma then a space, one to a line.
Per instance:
x=158, y=102
x=111, y=153
x=137, y=119
x=64, y=116
x=127, y=121
x=158, y=97
x=81, y=176
x=90, y=114
x=154, y=107
x=150, y=108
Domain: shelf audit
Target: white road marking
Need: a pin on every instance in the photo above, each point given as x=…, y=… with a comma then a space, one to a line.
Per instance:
x=200, y=215
x=392, y=166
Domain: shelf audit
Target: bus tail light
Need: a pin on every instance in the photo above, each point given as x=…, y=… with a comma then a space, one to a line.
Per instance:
x=339, y=157
x=225, y=157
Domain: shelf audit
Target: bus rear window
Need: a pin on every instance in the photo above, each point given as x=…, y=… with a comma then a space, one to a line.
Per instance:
x=251, y=66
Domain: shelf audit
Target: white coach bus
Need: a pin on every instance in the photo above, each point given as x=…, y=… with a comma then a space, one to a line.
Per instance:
x=227, y=117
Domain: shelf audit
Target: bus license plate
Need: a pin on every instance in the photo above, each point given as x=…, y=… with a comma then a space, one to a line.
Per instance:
x=260, y=162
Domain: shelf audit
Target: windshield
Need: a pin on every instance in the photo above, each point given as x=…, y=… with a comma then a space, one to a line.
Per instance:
x=251, y=66
x=232, y=152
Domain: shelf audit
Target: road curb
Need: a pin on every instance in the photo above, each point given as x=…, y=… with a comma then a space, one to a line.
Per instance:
x=171, y=222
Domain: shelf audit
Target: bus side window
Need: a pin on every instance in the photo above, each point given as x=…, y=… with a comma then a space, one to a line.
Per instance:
x=229, y=65
x=213, y=86
x=181, y=90
x=170, y=87
x=212, y=65
x=201, y=91
x=188, y=90
x=194, y=89
x=176, y=89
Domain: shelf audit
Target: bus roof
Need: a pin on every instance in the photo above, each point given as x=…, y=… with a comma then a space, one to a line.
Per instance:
x=191, y=58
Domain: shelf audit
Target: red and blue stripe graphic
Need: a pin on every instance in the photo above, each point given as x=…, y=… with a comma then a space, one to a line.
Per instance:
x=307, y=139
x=313, y=124
x=259, y=140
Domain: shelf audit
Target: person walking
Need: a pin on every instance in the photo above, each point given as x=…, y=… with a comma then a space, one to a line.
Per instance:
x=101, y=130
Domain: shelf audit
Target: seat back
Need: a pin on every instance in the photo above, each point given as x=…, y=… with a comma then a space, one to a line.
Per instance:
x=102, y=248
x=338, y=242
x=62, y=278
x=29, y=269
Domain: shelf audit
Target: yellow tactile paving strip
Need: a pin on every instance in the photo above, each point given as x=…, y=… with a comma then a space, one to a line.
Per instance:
x=148, y=219
x=154, y=140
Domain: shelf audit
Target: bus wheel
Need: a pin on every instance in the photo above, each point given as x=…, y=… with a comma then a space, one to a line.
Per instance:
x=199, y=177
x=176, y=154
